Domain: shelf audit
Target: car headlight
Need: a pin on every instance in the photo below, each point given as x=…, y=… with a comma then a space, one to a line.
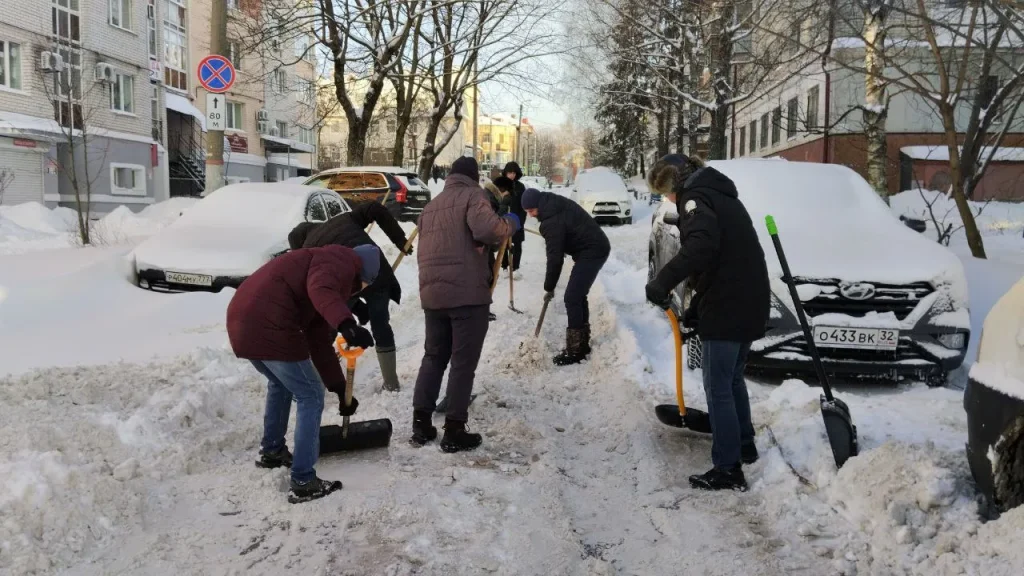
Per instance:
x=953, y=341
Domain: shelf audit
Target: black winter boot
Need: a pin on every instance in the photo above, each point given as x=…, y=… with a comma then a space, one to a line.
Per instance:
x=275, y=459
x=720, y=479
x=577, y=347
x=457, y=439
x=748, y=453
x=312, y=490
x=423, y=429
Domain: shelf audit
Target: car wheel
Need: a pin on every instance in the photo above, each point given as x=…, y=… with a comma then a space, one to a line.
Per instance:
x=937, y=380
x=652, y=269
x=694, y=353
x=628, y=221
x=1008, y=470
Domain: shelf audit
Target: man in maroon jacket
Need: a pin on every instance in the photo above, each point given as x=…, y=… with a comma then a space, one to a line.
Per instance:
x=284, y=319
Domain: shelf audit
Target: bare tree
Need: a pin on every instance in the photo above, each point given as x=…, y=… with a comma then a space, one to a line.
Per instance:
x=6, y=179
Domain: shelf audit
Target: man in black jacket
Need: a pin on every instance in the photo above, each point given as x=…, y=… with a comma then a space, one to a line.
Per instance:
x=720, y=254
x=349, y=230
x=569, y=231
x=515, y=206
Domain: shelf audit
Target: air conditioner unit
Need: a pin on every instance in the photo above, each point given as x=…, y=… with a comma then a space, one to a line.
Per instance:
x=51, y=62
x=262, y=115
x=274, y=131
x=104, y=72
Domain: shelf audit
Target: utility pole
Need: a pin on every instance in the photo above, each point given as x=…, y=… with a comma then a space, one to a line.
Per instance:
x=476, y=109
x=519, y=128
x=215, y=138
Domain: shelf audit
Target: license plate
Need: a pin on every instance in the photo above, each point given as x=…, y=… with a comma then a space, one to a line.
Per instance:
x=605, y=210
x=861, y=338
x=192, y=279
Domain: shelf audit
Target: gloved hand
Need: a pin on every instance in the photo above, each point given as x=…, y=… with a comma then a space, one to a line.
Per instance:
x=548, y=296
x=360, y=310
x=409, y=251
x=658, y=296
x=514, y=219
x=355, y=336
x=346, y=410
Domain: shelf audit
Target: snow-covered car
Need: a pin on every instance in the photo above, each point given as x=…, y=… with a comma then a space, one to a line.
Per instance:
x=884, y=301
x=225, y=237
x=400, y=189
x=603, y=194
x=994, y=402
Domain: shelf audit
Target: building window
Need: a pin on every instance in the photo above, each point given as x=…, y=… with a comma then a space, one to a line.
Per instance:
x=235, y=54
x=232, y=5
x=10, y=65
x=764, y=130
x=743, y=140
x=234, y=116
x=304, y=91
x=279, y=81
x=158, y=124
x=812, y=109
x=306, y=135
x=776, y=125
x=66, y=22
x=282, y=128
x=753, y=136
x=792, y=112
x=127, y=179
x=486, y=138
x=122, y=94
x=121, y=14
x=175, y=45
x=795, y=31
x=987, y=92
x=392, y=124
x=151, y=27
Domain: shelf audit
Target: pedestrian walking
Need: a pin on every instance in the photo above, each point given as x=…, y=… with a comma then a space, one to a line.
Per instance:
x=514, y=173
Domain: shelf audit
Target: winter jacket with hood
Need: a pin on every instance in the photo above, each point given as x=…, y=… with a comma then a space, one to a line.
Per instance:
x=455, y=229
x=515, y=205
x=568, y=231
x=349, y=230
x=721, y=254
x=290, y=309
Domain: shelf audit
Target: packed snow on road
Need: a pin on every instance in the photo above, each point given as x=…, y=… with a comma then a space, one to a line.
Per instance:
x=128, y=432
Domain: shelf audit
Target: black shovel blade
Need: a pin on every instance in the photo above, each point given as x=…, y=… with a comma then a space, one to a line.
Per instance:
x=361, y=436
x=842, y=434
x=696, y=420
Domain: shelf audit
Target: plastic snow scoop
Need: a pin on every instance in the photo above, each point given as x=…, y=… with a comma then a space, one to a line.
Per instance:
x=408, y=244
x=543, y=311
x=357, y=435
x=842, y=434
x=678, y=415
x=512, y=285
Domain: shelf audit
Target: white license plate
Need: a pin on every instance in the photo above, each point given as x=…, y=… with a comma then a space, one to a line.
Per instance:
x=605, y=210
x=861, y=338
x=192, y=279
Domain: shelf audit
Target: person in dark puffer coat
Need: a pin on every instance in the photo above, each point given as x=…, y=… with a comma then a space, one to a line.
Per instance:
x=568, y=230
x=514, y=173
x=284, y=318
x=720, y=253
x=349, y=229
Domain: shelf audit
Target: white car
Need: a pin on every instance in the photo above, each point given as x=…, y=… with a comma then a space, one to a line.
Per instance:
x=603, y=194
x=226, y=236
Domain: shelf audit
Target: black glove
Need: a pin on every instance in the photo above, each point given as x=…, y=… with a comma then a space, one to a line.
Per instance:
x=658, y=296
x=346, y=410
x=360, y=310
x=355, y=336
x=409, y=251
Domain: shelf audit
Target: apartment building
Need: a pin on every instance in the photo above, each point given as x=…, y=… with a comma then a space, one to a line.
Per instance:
x=503, y=138
x=75, y=104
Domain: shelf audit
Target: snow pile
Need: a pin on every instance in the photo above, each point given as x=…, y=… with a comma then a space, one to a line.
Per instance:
x=435, y=186
x=993, y=218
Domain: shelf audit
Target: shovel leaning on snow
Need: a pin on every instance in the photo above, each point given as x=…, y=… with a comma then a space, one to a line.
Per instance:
x=842, y=434
x=678, y=415
x=357, y=435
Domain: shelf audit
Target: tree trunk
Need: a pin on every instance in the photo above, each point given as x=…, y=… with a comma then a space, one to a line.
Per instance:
x=356, y=147
x=722, y=77
x=956, y=174
x=398, y=150
x=429, y=152
x=875, y=112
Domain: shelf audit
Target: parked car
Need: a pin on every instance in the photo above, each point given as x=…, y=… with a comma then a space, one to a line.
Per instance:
x=225, y=237
x=994, y=402
x=883, y=300
x=603, y=194
x=399, y=188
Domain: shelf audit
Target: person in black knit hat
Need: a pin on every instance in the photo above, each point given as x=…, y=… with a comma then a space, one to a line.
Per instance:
x=514, y=173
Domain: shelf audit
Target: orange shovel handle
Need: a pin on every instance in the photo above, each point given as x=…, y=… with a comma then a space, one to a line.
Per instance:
x=679, y=360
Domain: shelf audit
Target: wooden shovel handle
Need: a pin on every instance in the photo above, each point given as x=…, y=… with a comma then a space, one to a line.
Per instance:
x=408, y=244
x=497, y=264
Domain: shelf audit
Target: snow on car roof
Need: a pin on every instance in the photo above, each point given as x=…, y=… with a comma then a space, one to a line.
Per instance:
x=248, y=204
x=388, y=169
x=598, y=180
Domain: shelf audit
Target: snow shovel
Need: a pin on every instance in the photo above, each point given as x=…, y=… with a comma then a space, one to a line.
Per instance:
x=842, y=434
x=678, y=415
x=543, y=311
x=512, y=286
x=357, y=435
x=408, y=244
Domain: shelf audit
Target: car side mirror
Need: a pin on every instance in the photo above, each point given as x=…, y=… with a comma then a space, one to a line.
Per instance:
x=671, y=219
x=915, y=224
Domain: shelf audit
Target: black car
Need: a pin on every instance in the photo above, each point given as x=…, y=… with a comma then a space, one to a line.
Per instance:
x=401, y=190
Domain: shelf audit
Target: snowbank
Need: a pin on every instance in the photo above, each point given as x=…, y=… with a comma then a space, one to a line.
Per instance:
x=995, y=218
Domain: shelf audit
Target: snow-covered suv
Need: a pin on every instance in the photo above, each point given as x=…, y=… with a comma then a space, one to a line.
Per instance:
x=883, y=300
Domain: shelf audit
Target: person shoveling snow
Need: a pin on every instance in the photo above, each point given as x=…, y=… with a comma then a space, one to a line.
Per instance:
x=284, y=319
x=720, y=253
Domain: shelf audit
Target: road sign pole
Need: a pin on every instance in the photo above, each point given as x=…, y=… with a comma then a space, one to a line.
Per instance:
x=215, y=138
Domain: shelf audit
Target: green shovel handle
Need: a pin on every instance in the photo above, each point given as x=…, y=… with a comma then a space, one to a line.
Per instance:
x=770, y=223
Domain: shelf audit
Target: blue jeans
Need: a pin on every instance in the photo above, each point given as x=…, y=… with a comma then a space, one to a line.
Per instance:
x=298, y=380
x=728, y=404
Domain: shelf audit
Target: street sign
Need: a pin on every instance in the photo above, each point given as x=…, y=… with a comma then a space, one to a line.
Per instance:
x=216, y=74
x=216, y=115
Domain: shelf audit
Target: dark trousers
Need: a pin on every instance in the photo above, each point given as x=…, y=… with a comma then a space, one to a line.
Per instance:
x=455, y=335
x=516, y=249
x=380, y=320
x=728, y=404
x=584, y=273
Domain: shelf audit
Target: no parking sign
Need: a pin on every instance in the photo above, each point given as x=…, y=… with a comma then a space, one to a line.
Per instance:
x=216, y=74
